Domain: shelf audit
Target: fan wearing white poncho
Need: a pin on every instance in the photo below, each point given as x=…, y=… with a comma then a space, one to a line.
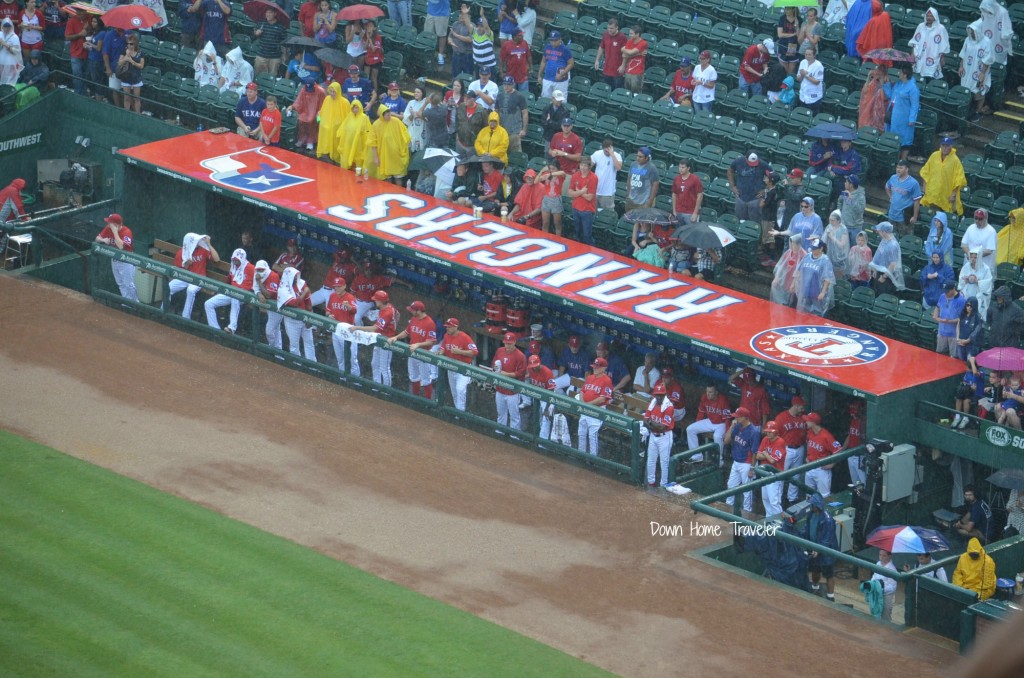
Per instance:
x=976, y=58
x=837, y=243
x=996, y=26
x=294, y=293
x=930, y=45
x=976, y=281
x=784, y=283
x=208, y=67
x=236, y=72
x=887, y=264
x=240, y=276
x=815, y=281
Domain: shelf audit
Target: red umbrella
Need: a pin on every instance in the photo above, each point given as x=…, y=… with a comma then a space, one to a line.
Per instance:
x=357, y=12
x=257, y=11
x=1003, y=358
x=81, y=6
x=130, y=17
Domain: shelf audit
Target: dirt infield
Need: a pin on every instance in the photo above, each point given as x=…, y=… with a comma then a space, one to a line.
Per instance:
x=557, y=553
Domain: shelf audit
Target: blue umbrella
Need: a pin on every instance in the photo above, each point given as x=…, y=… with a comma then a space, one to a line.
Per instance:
x=832, y=131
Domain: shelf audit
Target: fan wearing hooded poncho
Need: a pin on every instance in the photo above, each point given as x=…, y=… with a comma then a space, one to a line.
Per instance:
x=887, y=264
x=11, y=61
x=236, y=72
x=934, y=277
x=208, y=67
x=877, y=33
x=930, y=45
x=352, y=136
x=940, y=239
x=976, y=570
x=976, y=280
x=307, y=105
x=837, y=243
x=856, y=19
x=815, y=281
x=976, y=59
x=334, y=110
x=11, y=205
x=996, y=26
x=388, y=146
x=783, y=289
x=493, y=139
x=1009, y=240
x=944, y=179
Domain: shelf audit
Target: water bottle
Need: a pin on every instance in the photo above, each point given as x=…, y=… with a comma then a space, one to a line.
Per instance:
x=504, y=214
x=408, y=185
x=177, y=120
x=200, y=127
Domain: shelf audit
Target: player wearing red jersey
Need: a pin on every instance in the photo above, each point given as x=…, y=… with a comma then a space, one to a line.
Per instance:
x=753, y=395
x=712, y=413
x=855, y=438
x=294, y=293
x=659, y=418
x=540, y=375
x=820, y=444
x=116, y=234
x=291, y=257
x=240, y=276
x=196, y=250
x=265, y=284
x=674, y=392
x=510, y=362
x=458, y=345
x=793, y=430
x=387, y=327
x=597, y=391
x=341, y=306
x=772, y=452
x=342, y=267
x=422, y=334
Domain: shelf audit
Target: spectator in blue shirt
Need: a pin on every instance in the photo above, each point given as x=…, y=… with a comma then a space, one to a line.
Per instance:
x=303, y=65
x=934, y=277
x=574, y=360
x=819, y=157
x=248, y=111
x=617, y=369
x=114, y=45
x=904, y=198
x=436, y=24
x=394, y=99
x=553, y=72
x=947, y=314
x=190, y=26
x=507, y=18
x=356, y=87
x=544, y=352
x=214, y=18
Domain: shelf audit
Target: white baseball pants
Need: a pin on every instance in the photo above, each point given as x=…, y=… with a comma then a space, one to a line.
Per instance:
x=321, y=296
x=296, y=331
x=215, y=302
x=586, y=434
x=771, y=495
x=821, y=480
x=459, y=385
x=274, y=329
x=381, y=365
x=362, y=308
x=508, y=409
x=353, y=354
x=794, y=457
x=717, y=432
x=857, y=474
x=124, y=276
x=659, y=447
x=421, y=372
x=176, y=286
x=739, y=475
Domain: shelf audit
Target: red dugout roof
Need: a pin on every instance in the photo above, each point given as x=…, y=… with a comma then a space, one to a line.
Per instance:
x=536, y=264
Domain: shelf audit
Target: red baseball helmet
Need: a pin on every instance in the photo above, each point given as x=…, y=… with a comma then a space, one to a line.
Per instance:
x=380, y=295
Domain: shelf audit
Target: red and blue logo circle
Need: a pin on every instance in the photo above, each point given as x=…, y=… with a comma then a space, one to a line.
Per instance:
x=818, y=346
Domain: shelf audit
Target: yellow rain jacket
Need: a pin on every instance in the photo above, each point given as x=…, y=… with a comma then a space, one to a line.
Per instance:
x=976, y=575
x=493, y=141
x=352, y=136
x=1010, y=239
x=333, y=112
x=942, y=178
x=390, y=137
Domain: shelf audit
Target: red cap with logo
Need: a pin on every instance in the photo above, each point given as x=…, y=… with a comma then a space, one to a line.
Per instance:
x=380, y=295
x=797, y=400
x=509, y=337
x=599, y=362
x=451, y=322
x=575, y=341
x=741, y=412
x=659, y=389
x=114, y=218
x=771, y=427
x=415, y=306
x=534, y=346
x=813, y=418
x=534, y=362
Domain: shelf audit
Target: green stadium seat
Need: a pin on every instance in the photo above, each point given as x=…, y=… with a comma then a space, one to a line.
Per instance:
x=855, y=310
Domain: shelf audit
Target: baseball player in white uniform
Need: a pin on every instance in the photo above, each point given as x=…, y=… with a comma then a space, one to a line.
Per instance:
x=265, y=284
x=459, y=346
x=240, y=276
x=659, y=420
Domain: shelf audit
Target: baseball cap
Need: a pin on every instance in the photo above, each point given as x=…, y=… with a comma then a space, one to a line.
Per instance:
x=771, y=427
x=796, y=173
x=555, y=35
x=415, y=306
x=797, y=400
x=685, y=61
x=816, y=244
x=35, y=54
x=338, y=281
x=659, y=389
x=980, y=213
x=380, y=295
x=706, y=54
x=884, y=227
x=485, y=70
x=950, y=285
x=558, y=95
x=740, y=412
x=530, y=173
x=252, y=86
x=599, y=362
x=575, y=341
x=508, y=337
x=645, y=150
x=353, y=69
x=508, y=80
x=854, y=180
x=342, y=255
x=812, y=418
x=291, y=243
x=666, y=372
x=517, y=31
x=567, y=121
x=392, y=85
x=769, y=45
x=534, y=362
x=534, y=347
x=602, y=346
x=451, y=322
x=752, y=159
x=114, y=218
x=947, y=141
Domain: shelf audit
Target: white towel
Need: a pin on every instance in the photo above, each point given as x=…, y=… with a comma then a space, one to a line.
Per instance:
x=290, y=283
x=262, y=273
x=238, y=271
x=188, y=247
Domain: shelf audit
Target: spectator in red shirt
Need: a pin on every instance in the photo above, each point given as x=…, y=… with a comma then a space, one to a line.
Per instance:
x=583, y=191
x=306, y=14
x=270, y=123
x=687, y=193
x=754, y=66
x=681, y=91
x=515, y=60
x=634, y=58
x=566, y=148
x=611, y=46
x=526, y=209
x=74, y=33
x=552, y=179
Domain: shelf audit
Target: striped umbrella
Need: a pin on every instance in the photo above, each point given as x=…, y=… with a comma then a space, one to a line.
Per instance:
x=907, y=539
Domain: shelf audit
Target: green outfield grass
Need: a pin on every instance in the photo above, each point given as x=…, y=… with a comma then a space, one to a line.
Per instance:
x=105, y=576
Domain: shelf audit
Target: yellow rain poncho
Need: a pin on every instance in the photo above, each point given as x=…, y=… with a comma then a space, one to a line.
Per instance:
x=352, y=136
x=943, y=177
x=1010, y=239
x=333, y=112
x=976, y=575
x=493, y=141
x=390, y=137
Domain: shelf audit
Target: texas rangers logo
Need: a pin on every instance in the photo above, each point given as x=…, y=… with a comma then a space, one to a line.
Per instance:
x=254, y=170
x=819, y=346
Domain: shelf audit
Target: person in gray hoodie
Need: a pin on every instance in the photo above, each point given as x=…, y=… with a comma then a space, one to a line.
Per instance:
x=1005, y=319
x=852, y=201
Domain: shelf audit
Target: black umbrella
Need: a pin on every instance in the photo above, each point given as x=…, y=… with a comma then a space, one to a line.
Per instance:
x=831, y=131
x=334, y=57
x=650, y=215
x=498, y=162
x=703, y=235
x=1010, y=478
x=302, y=41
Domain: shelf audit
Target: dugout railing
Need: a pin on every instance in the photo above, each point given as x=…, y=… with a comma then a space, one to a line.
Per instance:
x=621, y=450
